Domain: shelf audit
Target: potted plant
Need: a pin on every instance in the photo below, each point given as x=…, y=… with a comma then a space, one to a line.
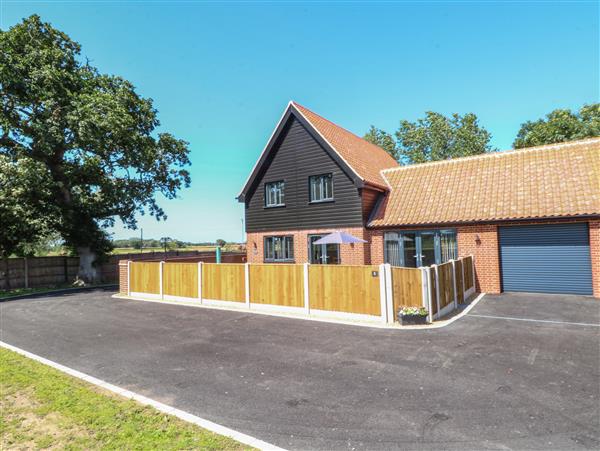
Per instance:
x=412, y=315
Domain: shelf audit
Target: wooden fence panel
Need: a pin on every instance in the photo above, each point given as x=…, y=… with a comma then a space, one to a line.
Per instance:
x=468, y=268
x=144, y=277
x=277, y=285
x=446, y=284
x=224, y=282
x=339, y=288
x=458, y=274
x=407, y=288
x=180, y=279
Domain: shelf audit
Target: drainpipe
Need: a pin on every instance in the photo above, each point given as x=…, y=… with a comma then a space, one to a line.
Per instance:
x=218, y=254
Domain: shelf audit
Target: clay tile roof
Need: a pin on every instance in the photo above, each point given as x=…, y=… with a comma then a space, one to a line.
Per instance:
x=366, y=159
x=555, y=180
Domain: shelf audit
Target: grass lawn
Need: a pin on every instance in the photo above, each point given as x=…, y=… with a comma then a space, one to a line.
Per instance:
x=44, y=408
x=19, y=291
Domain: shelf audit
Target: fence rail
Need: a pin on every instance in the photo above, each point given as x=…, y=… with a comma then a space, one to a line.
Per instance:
x=34, y=272
x=372, y=292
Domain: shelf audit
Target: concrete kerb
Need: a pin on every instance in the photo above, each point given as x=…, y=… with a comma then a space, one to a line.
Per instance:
x=60, y=291
x=186, y=416
x=377, y=325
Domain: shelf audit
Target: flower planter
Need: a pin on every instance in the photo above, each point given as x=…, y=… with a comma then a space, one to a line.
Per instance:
x=412, y=320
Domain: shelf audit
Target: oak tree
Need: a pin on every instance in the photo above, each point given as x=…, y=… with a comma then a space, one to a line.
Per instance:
x=92, y=135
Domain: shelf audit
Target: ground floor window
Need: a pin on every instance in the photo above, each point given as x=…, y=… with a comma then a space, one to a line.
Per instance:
x=326, y=254
x=279, y=248
x=420, y=248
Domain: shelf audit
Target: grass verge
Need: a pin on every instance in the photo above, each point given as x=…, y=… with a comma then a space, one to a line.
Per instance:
x=44, y=408
x=20, y=291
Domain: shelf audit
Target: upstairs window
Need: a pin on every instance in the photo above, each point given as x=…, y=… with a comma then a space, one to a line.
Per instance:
x=279, y=248
x=321, y=188
x=274, y=194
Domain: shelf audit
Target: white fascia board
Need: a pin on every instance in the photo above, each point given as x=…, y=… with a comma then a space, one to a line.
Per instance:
x=265, y=148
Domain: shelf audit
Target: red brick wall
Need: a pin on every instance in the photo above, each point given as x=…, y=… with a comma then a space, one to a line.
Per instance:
x=481, y=241
x=350, y=254
x=123, y=288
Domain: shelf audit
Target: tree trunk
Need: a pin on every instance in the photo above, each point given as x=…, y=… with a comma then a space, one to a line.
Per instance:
x=87, y=271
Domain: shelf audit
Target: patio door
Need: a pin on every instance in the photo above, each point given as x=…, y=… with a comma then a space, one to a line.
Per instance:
x=426, y=248
x=323, y=254
x=412, y=249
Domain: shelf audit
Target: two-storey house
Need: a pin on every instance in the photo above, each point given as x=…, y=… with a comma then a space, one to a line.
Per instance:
x=530, y=217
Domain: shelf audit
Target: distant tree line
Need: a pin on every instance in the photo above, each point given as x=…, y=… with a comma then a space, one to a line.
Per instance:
x=438, y=137
x=171, y=243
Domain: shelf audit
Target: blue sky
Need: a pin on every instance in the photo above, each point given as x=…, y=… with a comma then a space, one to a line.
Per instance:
x=221, y=74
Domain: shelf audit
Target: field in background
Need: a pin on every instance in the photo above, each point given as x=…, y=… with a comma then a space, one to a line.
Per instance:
x=203, y=248
x=131, y=250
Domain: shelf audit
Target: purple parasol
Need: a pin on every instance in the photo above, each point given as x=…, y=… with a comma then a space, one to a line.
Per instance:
x=339, y=238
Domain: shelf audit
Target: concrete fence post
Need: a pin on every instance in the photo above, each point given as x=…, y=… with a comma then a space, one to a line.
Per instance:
x=389, y=293
x=382, y=293
x=160, y=278
x=200, y=269
x=247, y=283
x=427, y=297
x=306, y=292
x=424, y=288
x=437, y=288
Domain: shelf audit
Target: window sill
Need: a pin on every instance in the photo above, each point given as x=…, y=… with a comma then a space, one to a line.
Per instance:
x=326, y=201
x=273, y=206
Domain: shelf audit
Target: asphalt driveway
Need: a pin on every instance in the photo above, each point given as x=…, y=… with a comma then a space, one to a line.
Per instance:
x=487, y=381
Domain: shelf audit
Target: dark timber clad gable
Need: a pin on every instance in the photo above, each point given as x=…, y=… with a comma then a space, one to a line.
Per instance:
x=296, y=156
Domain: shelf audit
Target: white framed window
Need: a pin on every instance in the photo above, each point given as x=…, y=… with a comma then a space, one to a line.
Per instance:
x=321, y=187
x=275, y=194
x=279, y=248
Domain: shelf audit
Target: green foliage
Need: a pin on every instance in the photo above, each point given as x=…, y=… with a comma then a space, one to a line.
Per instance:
x=416, y=311
x=83, y=417
x=382, y=139
x=221, y=243
x=434, y=137
x=24, y=191
x=92, y=137
x=437, y=137
x=560, y=126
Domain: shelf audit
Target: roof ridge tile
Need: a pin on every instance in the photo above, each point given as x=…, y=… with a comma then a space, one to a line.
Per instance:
x=501, y=153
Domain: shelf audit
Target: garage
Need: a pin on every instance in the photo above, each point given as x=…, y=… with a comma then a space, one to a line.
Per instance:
x=552, y=258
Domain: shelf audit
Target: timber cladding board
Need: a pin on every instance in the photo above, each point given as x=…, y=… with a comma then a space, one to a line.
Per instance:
x=340, y=288
x=468, y=269
x=277, y=284
x=144, y=277
x=224, y=281
x=460, y=289
x=446, y=284
x=180, y=279
x=407, y=288
x=296, y=157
